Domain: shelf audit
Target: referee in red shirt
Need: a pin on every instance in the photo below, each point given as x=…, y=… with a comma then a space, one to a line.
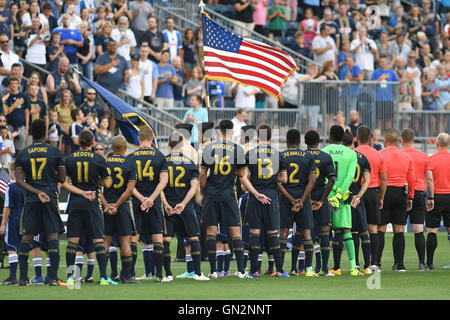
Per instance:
x=424, y=181
x=441, y=175
x=399, y=197
x=374, y=196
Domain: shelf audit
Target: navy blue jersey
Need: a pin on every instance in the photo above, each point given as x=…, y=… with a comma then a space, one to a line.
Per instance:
x=223, y=159
x=149, y=164
x=362, y=166
x=17, y=117
x=264, y=163
x=14, y=199
x=122, y=170
x=43, y=110
x=40, y=161
x=299, y=164
x=74, y=130
x=85, y=168
x=324, y=169
x=181, y=171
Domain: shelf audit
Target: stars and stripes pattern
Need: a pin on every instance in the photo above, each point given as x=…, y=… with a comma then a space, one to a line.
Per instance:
x=5, y=179
x=229, y=56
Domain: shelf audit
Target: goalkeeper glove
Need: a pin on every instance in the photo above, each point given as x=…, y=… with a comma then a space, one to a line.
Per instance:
x=334, y=201
x=347, y=197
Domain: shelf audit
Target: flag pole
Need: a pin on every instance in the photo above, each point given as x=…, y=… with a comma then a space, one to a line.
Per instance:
x=208, y=105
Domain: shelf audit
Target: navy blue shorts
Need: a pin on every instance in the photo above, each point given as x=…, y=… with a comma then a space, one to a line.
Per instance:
x=40, y=241
x=12, y=236
x=223, y=211
x=259, y=215
x=121, y=223
x=303, y=219
x=88, y=219
x=85, y=245
x=41, y=217
x=151, y=222
x=184, y=224
x=359, y=219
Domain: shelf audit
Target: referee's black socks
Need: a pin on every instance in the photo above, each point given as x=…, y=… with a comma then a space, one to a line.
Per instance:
x=380, y=247
x=398, y=245
x=419, y=241
x=373, y=248
x=431, y=246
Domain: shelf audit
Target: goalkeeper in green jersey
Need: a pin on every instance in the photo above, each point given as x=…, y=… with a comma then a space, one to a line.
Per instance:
x=345, y=161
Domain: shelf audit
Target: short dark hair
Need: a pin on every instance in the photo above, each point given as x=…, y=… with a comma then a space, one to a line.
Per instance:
x=13, y=79
x=85, y=138
x=198, y=97
x=225, y=125
x=347, y=139
x=165, y=51
x=312, y=138
x=47, y=5
x=175, y=139
x=293, y=137
x=363, y=134
x=336, y=133
x=38, y=129
x=74, y=114
x=3, y=128
x=323, y=26
x=407, y=135
x=265, y=128
x=15, y=65
x=383, y=56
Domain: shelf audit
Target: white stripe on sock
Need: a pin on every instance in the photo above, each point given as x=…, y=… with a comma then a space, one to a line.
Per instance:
x=13, y=258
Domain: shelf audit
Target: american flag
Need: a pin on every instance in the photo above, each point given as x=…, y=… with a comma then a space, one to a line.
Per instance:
x=229, y=56
x=5, y=179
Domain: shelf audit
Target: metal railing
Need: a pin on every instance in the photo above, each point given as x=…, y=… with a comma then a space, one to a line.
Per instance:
x=178, y=14
x=192, y=11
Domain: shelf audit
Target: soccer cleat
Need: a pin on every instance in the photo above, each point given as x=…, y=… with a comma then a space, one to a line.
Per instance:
x=47, y=279
x=430, y=266
x=394, y=267
x=186, y=275
x=104, y=282
x=336, y=272
x=213, y=275
x=129, y=280
x=269, y=272
x=57, y=283
x=36, y=281
x=355, y=272
x=116, y=278
x=146, y=277
x=221, y=274
x=200, y=277
x=293, y=273
x=310, y=273
x=227, y=274
x=24, y=283
x=329, y=274
x=167, y=279
x=283, y=274
x=401, y=268
x=422, y=267
x=367, y=271
x=10, y=282
x=301, y=273
x=373, y=267
x=244, y=275
x=70, y=281
x=88, y=280
x=255, y=274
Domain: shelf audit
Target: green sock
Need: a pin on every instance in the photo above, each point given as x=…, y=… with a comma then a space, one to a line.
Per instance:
x=350, y=246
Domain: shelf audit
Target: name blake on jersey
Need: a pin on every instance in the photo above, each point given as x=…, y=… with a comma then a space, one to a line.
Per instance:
x=83, y=154
x=37, y=149
x=336, y=152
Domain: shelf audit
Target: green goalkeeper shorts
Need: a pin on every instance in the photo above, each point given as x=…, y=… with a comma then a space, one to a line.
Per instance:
x=342, y=218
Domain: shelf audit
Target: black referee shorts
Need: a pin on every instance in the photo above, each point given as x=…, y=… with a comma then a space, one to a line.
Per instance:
x=419, y=208
x=441, y=211
x=370, y=201
x=394, y=206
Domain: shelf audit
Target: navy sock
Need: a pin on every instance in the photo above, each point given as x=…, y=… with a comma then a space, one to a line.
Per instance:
x=355, y=237
x=296, y=243
x=431, y=247
x=158, y=255
x=274, y=247
x=260, y=259
x=90, y=267
x=53, y=254
x=79, y=261
x=211, y=245
x=301, y=261
x=71, y=251
x=309, y=252
x=100, y=254
x=318, y=258
x=13, y=262
x=238, y=249
x=254, y=251
x=37, y=263
x=246, y=253
x=325, y=250
x=113, y=261
x=47, y=264
x=133, y=246
x=167, y=258
x=401, y=248
x=395, y=247
x=271, y=261
x=220, y=256
x=126, y=266
x=196, y=258
x=227, y=260
x=373, y=248
x=189, y=263
x=420, y=246
x=338, y=245
x=148, y=256
x=365, y=245
x=380, y=247
x=283, y=246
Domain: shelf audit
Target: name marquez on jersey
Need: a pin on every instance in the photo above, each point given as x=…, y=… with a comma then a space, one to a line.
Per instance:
x=37, y=149
x=144, y=153
x=293, y=153
x=83, y=154
x=223, y=146
x=115, y=159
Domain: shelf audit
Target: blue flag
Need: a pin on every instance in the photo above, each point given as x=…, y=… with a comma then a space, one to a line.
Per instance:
x=127, y=118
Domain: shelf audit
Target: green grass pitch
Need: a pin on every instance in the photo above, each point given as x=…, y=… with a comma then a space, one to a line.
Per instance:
x=410, y=285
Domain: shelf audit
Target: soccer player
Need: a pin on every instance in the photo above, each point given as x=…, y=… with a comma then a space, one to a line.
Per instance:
x=398, y=199
x=325, y=179
x=152, y=178
x=10, y=227
x=374, y=196
x=118, y=208
x=179, y=210
x=345, y=161
x=266, y=169
x=224, y=160
x=85, y=246
x=86, y=170
x=441, y=176
x=424, y=180
x=295, y=202
x=359, y=219
x=39, y=168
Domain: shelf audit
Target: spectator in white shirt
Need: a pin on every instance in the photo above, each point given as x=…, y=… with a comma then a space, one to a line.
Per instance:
x=365, y=51
x=74, y=19
x=34, y=13
x=414, y=73
x=151, y=74
x=7, y=57
x=238, y=123
x=173, y=38
x=126, y=42
x=36, y=45
x=324, y=47
x=245, y=96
